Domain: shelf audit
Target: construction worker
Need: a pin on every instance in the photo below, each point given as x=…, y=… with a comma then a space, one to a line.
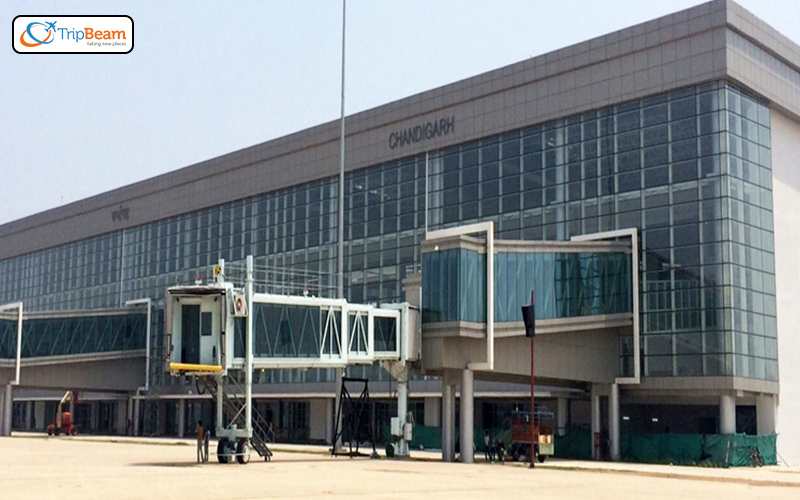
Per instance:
x=201, y=435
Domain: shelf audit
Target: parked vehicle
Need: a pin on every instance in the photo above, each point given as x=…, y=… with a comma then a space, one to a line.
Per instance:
x=62, y=423
x=542, y=429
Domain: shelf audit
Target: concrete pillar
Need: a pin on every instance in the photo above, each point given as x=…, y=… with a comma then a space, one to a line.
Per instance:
x=374, y=412
x=477, y=417
x=317, y=419
x=161, y=426
x=563, y=414
x=765, y=414
x=8, y=406
x=613, y=421
x=596, y=454
x=28, y=415
x=122, y=417
x=448, y=418
x=38, y=415
x=136, y=407
x=433, y=412
x=3, y=413
x=182, y=418
x=329, y=420
x=129, y=423
x=727, y=414
x=467, y=417
x=94, y=413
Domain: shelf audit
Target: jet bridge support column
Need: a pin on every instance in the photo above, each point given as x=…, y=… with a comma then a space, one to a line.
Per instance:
x=403, y=429
x=402, y=414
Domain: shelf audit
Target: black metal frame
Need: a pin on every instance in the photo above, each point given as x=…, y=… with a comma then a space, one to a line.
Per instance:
x=355, y=416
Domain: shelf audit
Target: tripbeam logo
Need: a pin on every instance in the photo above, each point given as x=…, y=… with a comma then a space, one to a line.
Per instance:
x=72, y=34
x=50, y=29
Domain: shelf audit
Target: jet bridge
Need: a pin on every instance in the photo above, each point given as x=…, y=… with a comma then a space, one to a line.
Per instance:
x=214, y=331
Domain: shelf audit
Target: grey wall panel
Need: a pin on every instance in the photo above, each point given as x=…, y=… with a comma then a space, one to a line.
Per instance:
x=590, y=356
x=752, y=64
x=125, y=374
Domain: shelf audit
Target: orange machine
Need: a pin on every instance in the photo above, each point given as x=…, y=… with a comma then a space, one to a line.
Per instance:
x=63, y=419
x=521, y=429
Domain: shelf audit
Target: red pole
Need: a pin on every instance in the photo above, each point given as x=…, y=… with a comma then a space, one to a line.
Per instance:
x=533, y=424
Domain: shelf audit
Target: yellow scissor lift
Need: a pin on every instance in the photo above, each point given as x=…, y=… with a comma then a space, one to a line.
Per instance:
x=203, y=320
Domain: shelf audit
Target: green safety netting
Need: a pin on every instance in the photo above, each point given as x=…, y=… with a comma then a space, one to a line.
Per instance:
x=575, y=444
x=713, y=450
x=717, y=450
x=661, y=448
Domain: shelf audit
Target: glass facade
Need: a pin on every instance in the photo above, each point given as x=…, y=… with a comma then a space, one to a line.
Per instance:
x=690, y=169
x=566, y=285
x=78, y=335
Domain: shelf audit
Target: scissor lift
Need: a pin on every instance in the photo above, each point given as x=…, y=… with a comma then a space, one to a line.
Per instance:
x=215, y=331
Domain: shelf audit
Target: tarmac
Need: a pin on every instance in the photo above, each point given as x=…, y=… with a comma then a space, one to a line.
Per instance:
x=34, y=466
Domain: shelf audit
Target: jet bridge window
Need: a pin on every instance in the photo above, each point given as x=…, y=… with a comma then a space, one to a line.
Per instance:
x=385, y=334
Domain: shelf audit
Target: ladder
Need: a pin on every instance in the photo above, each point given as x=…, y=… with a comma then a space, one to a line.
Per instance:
x=233, y=405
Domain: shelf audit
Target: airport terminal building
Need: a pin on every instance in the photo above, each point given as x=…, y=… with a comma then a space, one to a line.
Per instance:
x=678, y=136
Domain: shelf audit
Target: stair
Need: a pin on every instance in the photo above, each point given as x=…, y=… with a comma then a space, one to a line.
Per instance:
x=233, y=406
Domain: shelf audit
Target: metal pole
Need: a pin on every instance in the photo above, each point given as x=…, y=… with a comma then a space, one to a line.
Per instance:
x=121, y=267
x=148, y=302
x=340, y=252
x=427, y=189
x=533, y=407
x=490, y=296
x=249, y=351
x=19, y=344
x=478, y=227
x=220, y=400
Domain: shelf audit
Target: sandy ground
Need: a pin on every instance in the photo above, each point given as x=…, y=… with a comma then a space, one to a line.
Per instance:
x=36, y=467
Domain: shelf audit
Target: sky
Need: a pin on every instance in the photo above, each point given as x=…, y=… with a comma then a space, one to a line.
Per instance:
x=209, y=77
